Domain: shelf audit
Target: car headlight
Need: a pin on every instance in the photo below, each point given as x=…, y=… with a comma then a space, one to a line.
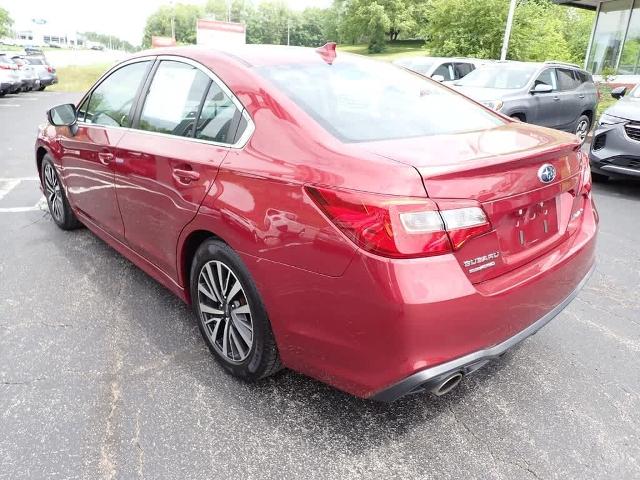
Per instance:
x=493, y=104
x=610, y=120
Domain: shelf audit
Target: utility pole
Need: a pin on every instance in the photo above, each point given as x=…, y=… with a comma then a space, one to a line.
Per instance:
x=173, y=21
x=228, y=10
x=288, y=31
x=507, y=31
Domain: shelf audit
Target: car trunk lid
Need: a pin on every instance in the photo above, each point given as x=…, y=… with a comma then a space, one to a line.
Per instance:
x=500, y=169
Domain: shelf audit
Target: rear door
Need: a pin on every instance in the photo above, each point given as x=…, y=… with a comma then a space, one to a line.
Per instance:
x=462, y=69
x=571, y=100
x=89, y=156
x=184, y=129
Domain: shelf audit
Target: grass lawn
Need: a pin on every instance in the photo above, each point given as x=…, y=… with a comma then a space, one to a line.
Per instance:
x=606, y=100
x=78, y=78
x=393, y=52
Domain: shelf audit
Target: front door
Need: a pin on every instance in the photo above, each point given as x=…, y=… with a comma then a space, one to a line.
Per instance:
x=89, y=157
x=546, y=108
x=171, y=158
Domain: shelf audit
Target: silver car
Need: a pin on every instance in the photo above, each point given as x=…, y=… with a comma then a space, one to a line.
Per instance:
x=442, y=69
x=46, y=73
x=615, y=149
x=10, y=79
x=551, y=94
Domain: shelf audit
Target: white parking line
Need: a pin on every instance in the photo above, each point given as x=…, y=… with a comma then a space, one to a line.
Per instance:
x=8, y=184
x=9, y=105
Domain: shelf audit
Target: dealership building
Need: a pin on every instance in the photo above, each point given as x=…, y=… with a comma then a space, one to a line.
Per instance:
x=615, y=38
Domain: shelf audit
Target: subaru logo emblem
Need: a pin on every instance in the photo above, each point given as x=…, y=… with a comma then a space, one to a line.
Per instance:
x=547, y=173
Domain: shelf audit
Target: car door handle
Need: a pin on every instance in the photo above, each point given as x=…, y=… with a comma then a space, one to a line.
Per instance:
x=580, y=96
x=105, y=157
x=185, y=176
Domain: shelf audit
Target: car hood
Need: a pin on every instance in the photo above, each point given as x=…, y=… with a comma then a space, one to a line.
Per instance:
x=627, y=108
x=481, y=94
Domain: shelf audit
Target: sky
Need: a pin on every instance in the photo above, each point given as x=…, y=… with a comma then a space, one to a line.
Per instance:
x=122, y=18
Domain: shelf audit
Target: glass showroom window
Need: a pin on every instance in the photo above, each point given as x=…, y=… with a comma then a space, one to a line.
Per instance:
x=630, y=59
x=607, y=40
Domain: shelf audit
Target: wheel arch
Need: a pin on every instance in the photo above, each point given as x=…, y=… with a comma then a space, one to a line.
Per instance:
x=188, y=246
x=588, y=113
x=40, y=153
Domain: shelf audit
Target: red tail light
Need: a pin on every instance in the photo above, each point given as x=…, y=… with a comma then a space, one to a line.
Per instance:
x=4, y=67
x=50, y=69
x=401, y=227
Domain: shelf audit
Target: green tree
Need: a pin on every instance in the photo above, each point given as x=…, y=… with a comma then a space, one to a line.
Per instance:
x=541, y=30
x=184, y=16
x=241, y=10
x=269, y=23
x=5, y=22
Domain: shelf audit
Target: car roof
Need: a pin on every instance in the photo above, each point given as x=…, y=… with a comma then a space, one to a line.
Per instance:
x=249, y=55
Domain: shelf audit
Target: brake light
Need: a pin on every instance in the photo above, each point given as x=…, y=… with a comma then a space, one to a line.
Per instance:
x=50, y=69
x=401, y=227
x=4, y=66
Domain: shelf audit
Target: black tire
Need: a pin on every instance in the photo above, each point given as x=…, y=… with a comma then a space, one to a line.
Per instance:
x=599, y=177
x=262, y=359
x=42, y=88
x=581, y=131
x=61, y=212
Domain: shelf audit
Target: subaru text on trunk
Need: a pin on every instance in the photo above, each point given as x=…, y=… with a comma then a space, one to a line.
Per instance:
x=331, y=214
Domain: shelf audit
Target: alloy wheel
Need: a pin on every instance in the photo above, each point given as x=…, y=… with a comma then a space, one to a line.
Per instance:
x=582, y=130
x=225, y=312
x=53, y=193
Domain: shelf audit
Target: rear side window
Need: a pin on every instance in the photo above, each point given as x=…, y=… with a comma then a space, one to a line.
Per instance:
x=359, y=100
x=464, y=69
x=112, y=101
x=219, y=119
x=566, y=80
x=174, y=99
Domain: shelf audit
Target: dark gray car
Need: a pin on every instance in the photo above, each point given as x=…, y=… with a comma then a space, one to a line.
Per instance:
x=551, y=94
x=615, y=150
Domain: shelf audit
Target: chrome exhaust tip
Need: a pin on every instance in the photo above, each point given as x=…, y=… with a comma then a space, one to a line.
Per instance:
x=446, y=385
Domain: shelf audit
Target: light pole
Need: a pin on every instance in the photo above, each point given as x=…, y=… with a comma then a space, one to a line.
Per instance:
x=173, y=21
x=507, y=31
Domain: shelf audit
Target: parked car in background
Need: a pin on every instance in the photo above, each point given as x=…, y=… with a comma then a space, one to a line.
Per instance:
x=441, y=69
x=30, y=77
x=615, y=149
x=10, y=79
x=551, y=94
x=326, y=212
x=46, y=73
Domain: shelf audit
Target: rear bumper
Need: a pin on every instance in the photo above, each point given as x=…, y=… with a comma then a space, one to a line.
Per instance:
x=471, y=362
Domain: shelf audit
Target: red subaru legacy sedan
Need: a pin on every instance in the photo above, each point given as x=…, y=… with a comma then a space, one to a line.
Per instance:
x=324, y=212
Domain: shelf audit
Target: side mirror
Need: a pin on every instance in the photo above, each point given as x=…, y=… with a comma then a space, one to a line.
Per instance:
x=64, y=116
x=618, y=92
x=438, y=78
x=542, y=88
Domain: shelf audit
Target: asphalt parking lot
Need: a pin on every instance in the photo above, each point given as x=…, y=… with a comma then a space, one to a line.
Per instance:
x=103, y=373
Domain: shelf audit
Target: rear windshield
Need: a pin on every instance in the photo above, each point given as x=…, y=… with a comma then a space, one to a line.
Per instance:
x=35, y=61
x=499, y=76
x=363, y=100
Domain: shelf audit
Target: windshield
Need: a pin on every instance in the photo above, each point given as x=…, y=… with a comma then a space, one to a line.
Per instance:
x=506, y=77
x=363, y=100
x=417, y=65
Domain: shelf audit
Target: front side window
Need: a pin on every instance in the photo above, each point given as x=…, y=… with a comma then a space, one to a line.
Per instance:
x=445, y=70
x=174, y=99
x=359, y=100
x=507, y=77
x=112, y=101
x=548, y=77
x=219, y=119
